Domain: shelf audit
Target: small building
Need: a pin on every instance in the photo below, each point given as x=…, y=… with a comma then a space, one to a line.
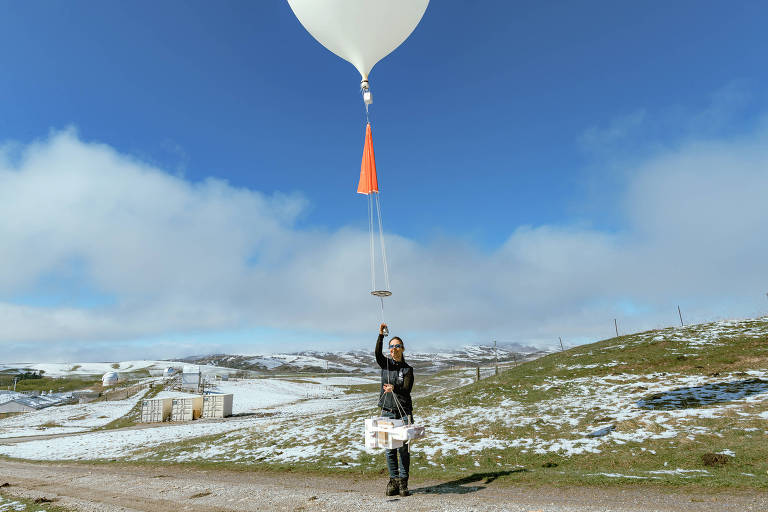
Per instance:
x=110, y=379
x=7, y=396
x=187, y=408
x=217, y=406
x=154, y=410
x=191, y=378
x=17, y=405
x=35, y=403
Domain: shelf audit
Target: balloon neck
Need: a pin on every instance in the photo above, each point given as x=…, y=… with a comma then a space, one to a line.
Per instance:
x=365, y=88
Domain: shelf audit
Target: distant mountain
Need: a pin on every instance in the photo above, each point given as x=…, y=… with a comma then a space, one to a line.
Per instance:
x=306, y=361
x=363, y=360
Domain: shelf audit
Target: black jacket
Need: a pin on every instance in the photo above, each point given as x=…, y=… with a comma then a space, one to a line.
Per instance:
x=400, y=375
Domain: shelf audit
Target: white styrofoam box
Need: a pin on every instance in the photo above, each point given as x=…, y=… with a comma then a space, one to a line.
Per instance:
x=389, y=441
x=370, y=423
x=379, y=430
x=408, y=432
x=371, y=439
x=389, y=423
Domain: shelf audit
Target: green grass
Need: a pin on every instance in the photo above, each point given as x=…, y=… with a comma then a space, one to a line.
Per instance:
x=6, y=499
x=134, y=415
x=653, y=354
x=58, y=385
x=362, y=388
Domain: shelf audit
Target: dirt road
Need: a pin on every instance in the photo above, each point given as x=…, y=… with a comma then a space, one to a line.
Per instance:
x=115, y=487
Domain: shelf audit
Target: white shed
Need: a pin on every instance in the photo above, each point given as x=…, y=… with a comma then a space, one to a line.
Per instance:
x=190, y=378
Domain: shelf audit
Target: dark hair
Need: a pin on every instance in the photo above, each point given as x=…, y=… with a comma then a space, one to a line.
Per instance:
x=398, y=338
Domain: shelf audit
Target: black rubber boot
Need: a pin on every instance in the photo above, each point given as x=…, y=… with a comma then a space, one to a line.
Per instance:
x=393, y=487
x=403, y=487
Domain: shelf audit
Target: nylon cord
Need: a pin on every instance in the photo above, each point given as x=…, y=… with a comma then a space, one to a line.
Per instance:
x=381, y=243
x=371, y=242
x=382, y=309
x=400, y=408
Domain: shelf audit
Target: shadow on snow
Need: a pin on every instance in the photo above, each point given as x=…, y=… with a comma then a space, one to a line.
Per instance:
x=708, y=394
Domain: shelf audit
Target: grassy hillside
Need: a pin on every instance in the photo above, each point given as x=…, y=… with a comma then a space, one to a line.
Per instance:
x=650, y=406
x=57, y=385
x=677, y=406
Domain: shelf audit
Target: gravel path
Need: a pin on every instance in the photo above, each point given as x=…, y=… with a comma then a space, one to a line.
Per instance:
x=115, y=487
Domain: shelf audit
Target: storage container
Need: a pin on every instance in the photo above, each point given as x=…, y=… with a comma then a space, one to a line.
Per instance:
x=155, y=410
x=217, y=406
x=187, y=408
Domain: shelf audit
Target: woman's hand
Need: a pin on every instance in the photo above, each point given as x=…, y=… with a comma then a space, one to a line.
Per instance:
x=382, y=327
x=388, y=388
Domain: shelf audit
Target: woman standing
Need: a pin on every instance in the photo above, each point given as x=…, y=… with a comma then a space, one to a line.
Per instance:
x=395, y=402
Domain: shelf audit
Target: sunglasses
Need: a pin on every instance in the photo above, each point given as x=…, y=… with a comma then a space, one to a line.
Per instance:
x=396, y=346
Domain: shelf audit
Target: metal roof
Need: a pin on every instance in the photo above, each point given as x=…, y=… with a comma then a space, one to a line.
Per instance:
x=43, y=401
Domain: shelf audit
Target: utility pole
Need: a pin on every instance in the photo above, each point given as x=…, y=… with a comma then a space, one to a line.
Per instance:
x=616, y=325
x=561, y=344
x=496, y=355
x=681, y=316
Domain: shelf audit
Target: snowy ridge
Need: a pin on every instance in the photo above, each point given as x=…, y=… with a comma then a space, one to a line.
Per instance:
x=73, y=369
x=350, y=362
x=363, y=360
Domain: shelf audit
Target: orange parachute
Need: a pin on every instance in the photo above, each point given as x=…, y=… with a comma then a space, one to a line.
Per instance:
x=368, y=182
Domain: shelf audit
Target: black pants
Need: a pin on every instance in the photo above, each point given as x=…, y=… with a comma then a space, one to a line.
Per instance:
x=398, y=470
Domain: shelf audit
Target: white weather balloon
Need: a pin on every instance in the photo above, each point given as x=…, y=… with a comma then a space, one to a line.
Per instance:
x=361, y=32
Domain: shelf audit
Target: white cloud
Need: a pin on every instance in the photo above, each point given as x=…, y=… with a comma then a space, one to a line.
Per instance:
x=597, y=138
x=158, y=254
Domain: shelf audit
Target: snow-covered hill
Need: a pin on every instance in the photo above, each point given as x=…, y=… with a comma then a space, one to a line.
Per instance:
x=359, y=360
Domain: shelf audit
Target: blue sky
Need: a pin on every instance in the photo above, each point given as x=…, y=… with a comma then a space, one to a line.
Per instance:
x=518, y=145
